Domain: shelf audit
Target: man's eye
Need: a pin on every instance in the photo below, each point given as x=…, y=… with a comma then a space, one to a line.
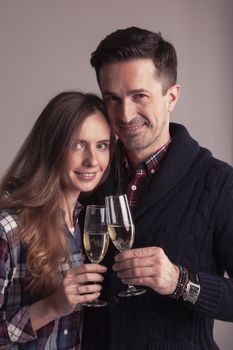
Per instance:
x=110, y=98
x=77, y=145
x=139, y=96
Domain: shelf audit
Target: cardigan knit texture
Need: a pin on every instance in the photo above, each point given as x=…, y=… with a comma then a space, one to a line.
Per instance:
x=187, y=209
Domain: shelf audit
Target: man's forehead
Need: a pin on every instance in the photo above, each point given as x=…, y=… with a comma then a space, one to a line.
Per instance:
x=130, y=76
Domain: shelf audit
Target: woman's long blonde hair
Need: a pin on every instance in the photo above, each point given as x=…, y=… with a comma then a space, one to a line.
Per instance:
x=32, y=184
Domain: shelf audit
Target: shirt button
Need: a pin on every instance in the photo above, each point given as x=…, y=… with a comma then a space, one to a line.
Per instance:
x=65, y=331
x=152, y=171
x=134, y=188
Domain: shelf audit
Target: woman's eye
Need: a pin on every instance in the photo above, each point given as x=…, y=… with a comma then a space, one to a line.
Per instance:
x=77, y=145
x=102, y=146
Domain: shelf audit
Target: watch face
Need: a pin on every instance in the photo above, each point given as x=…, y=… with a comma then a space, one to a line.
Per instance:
x=192, y=292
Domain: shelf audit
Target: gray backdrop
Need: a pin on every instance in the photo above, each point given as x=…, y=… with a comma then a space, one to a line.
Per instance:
x=45, y=48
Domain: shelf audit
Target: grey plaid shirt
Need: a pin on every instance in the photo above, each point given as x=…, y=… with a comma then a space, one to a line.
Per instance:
x=15, y=327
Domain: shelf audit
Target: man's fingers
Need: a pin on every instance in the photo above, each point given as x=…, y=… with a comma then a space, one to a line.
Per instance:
x=137, y=272
x=144, y=281
x=134, y=263
x=138, y=253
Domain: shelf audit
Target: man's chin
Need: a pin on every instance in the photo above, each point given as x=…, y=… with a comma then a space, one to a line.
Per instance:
x=135, y=146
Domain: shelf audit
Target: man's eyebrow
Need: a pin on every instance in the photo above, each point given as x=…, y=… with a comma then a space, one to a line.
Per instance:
x=106, y=93
x=129, y=92
x=137, y=91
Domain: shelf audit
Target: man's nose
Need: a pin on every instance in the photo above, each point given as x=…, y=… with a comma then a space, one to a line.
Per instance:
x=128, y=111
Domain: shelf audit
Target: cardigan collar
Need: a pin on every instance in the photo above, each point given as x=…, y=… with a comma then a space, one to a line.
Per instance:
x=181, y=156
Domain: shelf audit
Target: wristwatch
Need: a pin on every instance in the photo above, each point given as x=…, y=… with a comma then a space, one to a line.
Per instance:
x=192, y=289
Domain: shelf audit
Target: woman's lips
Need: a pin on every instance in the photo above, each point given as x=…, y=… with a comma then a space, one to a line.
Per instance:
x=86, y=176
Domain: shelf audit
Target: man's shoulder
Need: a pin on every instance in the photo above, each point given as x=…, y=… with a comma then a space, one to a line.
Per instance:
x=221, y=165
x=179, y=130
x=220, y=173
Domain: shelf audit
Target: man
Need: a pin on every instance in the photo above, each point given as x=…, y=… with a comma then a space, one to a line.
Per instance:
x=182, y=203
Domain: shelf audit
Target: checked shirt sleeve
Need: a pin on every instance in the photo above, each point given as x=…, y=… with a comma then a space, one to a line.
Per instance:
x=15, y=325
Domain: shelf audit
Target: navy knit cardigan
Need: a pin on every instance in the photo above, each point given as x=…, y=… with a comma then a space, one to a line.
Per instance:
x=187, y=209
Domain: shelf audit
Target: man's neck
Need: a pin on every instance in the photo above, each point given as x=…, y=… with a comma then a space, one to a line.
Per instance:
x=136, y=157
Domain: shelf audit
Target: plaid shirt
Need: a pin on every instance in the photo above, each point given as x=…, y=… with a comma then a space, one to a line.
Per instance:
x=137, y=181
x=15, y=327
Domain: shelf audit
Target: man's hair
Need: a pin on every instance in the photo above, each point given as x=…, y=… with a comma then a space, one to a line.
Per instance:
x=133, y=42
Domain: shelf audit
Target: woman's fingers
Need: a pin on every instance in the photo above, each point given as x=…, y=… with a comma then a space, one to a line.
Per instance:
x=85, y=268
x=88, y=288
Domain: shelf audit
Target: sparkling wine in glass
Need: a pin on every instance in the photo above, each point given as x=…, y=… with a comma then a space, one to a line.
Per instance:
x=121, y=230
x=96, y=240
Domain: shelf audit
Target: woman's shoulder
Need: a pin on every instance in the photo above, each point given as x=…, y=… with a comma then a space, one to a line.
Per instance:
x=9, y=222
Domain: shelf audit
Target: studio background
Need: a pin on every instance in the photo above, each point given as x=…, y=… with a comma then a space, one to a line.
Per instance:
x=45, y=47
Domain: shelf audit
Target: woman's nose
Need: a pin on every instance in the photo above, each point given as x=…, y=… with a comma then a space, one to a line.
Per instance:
x=90, y=158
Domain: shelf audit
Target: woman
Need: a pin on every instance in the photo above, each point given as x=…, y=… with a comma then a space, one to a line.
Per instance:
x=43, y=279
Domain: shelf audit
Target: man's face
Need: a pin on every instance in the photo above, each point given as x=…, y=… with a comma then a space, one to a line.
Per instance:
x=137, y=108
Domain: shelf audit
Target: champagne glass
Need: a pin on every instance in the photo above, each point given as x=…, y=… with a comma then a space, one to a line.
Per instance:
x=121, y=230
x=96, y=240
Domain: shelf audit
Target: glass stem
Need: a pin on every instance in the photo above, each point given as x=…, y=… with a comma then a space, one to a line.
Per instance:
x=131, y=288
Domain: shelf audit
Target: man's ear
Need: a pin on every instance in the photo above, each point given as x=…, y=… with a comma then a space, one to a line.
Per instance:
x=173, y=95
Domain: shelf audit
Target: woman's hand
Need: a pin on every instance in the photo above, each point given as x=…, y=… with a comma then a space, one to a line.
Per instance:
x=79, y=285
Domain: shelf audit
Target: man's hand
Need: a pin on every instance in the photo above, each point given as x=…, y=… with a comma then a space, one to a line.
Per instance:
x=148, y=267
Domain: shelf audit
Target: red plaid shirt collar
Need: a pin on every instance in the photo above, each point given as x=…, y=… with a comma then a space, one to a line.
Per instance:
x=137, y=181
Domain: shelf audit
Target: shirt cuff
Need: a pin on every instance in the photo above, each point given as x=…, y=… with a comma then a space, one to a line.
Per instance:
x=19, y=326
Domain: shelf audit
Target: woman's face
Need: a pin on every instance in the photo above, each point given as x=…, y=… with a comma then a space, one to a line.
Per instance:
x=89, y=156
